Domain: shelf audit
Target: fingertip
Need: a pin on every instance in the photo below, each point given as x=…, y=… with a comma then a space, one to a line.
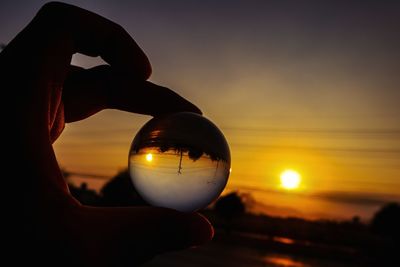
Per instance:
x=145, y=97
x=201, y=230
x=168, y=101
x=180, y=230
x=197, y=110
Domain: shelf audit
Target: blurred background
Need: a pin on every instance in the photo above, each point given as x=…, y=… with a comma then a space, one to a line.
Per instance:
x=307, y=95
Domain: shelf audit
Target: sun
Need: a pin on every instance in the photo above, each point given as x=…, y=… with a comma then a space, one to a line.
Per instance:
x=149, y=157
x=290, y=179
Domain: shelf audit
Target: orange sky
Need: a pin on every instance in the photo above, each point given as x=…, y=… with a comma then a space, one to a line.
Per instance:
x=342, y=173
x=303, y=85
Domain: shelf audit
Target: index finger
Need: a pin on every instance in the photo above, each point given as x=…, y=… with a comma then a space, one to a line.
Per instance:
x=94, y=35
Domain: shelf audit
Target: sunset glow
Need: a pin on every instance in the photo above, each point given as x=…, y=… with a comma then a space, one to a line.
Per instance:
x=286, y=95
x=129, y=116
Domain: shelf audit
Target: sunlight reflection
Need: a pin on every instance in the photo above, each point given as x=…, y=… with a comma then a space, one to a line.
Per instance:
x=284, y=261
x=283, y=240
x=149, y=157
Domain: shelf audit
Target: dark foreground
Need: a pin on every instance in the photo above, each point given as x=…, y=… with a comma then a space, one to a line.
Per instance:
x=240, y=250
x=245, y=238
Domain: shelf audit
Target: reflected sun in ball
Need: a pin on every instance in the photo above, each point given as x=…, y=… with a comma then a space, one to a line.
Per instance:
x=290, y=179
x=149, y=157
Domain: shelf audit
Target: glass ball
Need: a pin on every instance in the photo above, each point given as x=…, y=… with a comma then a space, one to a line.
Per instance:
x=179, y=161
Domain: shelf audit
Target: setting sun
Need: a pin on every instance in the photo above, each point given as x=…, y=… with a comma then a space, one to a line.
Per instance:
x=290, y=179
x=149, y=157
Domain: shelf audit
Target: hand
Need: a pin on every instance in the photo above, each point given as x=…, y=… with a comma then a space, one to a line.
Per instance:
x=46, y=92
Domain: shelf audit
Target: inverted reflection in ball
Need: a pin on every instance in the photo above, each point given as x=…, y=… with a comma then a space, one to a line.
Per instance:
x=179, y=161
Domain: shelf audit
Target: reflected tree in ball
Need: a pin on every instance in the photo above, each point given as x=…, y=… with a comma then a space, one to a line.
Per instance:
x=180, y=161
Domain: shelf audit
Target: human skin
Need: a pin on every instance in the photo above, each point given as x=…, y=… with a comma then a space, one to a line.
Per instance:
x=47, y=225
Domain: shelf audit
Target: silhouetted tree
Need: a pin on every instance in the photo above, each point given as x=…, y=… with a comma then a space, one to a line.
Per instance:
x=386, y=221
x=120, y=192
x=230, y=207
x=356, y=220
x=84, y=195
x=2, y=46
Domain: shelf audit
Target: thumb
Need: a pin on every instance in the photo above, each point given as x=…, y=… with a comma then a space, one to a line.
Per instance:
x=133, y=235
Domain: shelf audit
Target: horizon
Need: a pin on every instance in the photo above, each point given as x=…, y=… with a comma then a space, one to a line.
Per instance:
x=364, y=205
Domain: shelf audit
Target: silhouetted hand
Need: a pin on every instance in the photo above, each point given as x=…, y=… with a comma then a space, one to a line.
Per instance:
x=46, y=92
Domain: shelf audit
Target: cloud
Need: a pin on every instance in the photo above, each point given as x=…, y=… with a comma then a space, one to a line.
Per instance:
x=354, y=198
x=357, y=198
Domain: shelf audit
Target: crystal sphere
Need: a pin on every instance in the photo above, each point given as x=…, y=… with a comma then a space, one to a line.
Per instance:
x=179, y=161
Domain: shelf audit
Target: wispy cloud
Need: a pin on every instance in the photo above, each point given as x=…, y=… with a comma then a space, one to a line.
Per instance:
x=355, y=198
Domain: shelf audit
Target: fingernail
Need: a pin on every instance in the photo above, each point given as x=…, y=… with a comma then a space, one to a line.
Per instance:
x=200, y=229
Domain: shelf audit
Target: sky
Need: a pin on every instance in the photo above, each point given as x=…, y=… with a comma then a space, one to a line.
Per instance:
x=312, y=86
